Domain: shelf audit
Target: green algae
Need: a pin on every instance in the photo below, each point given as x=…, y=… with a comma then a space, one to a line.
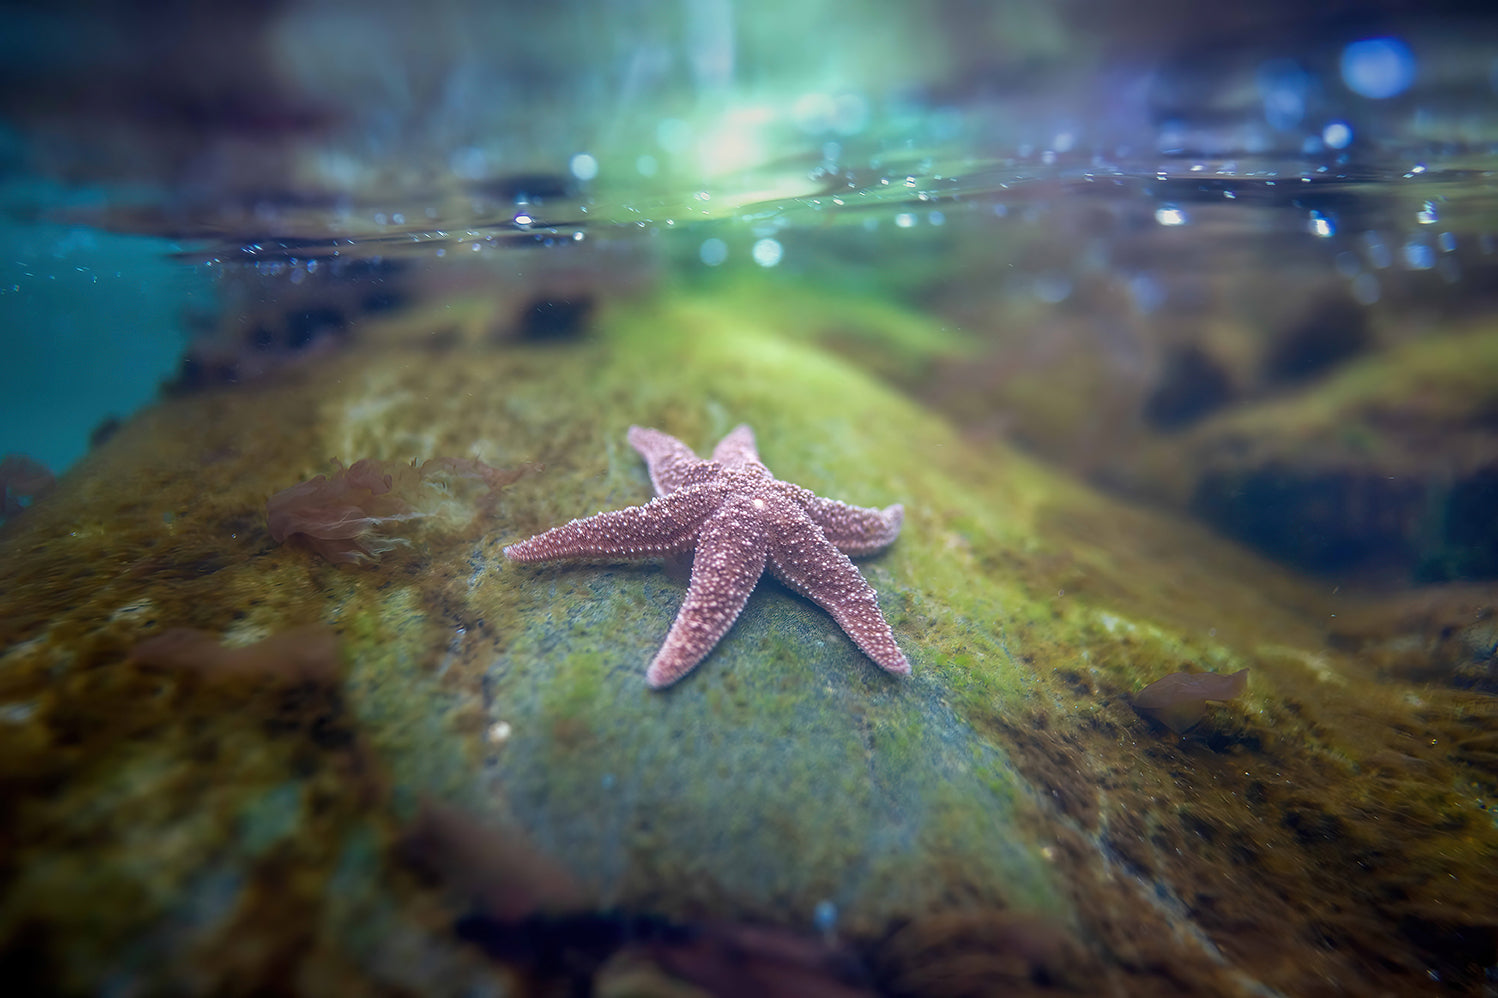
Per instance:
x=1375, y=412
x=608, y=775
x=1439, y=380
x=786, y=771
x=860, y=327
x=591, y=752
x=958, y=587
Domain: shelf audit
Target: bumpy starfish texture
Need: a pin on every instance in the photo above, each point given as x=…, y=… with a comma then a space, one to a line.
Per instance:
x=741, y=521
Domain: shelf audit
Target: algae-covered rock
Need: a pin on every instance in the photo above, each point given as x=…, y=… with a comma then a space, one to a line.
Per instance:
x=1001, y=817
x=1388, y=465
x=1339, y=439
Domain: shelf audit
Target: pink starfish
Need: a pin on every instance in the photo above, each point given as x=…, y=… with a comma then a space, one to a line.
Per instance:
x=741, y=520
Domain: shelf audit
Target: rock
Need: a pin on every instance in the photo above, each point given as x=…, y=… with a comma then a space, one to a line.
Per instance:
x=1388, y=467
x=1000, y=817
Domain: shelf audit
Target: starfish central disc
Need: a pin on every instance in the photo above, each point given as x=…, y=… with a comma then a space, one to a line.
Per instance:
x=741, y=521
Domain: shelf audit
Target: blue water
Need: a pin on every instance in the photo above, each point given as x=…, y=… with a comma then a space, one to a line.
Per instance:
x=93, y=323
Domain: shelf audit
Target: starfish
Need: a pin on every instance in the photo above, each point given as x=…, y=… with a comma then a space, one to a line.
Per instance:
x=740, y=520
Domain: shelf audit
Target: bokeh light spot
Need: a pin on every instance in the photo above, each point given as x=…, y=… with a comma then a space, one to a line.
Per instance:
x=583, y=166
x=712, y=252
x=767, y=252
x=1169, y=214
x=1378, y=68
x=1337, y=135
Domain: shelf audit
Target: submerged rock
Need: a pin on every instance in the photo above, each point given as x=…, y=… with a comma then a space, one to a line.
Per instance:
x=1389, y=466
x=1001, y=817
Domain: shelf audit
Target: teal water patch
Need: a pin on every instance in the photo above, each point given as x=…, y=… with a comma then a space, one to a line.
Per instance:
x=91, y=324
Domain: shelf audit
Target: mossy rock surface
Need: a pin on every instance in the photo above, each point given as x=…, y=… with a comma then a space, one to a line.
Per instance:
x=786, y=781
x=1387, y=466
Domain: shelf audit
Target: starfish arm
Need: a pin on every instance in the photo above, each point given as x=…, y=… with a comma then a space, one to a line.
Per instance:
x=670, y=461
x=806, y=562
x=731, y=552
x=664, y=525
x=737, y=450
x=856, y=529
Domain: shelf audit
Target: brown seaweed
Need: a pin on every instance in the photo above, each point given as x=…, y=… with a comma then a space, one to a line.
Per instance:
x=347, y=516
x=497, y=870
x=1179, y=700
x=299, y=655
